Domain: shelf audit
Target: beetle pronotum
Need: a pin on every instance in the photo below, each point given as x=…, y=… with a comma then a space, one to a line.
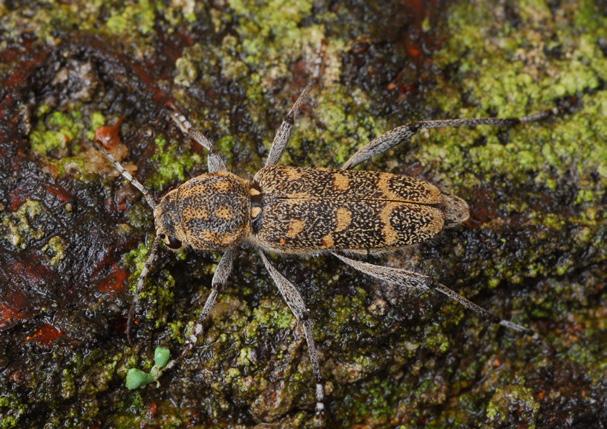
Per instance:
x=293, y=210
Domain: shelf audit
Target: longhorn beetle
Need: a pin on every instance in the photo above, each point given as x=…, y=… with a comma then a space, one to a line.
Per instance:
x=304, y=211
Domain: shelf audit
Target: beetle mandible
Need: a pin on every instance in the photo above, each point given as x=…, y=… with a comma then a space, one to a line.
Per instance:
x=297, y=210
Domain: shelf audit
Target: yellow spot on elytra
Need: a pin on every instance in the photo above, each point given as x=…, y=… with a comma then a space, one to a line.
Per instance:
x=390, y=234
x=224, y=212
x=383, y=184
x=227, y=239
x=341, y=182
x=292, y=173
x=344, y=218
x=295, y=227
x=412, y=190
x=327, y=241
x=222, y=186
x=254, y=192
x=255, y=211
x=219, y=239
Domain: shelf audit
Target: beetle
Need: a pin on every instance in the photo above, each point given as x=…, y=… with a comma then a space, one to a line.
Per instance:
x=304, y=211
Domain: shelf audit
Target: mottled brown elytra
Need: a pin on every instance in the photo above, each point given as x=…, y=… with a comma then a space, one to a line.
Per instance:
x=295, y=210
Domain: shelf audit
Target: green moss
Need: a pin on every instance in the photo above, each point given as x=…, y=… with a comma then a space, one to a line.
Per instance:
x=171, y=163
x=57, y=136
x=512, y=400
x=437, y=341
x=20, y=227
x=270, y=314
x=68, y=384
x=277, y=22
x=186, y=72
x=140, y=15
x=157, y=295
x=55, y=249
x=55, y=131
x=97, y=120
x=508, y=84
x=11, y=410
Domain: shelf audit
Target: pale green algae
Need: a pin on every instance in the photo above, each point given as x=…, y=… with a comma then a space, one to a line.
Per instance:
x=503, y=74
x=57, y=137
x=19, y=227
x=55, y=247
x=12, y=410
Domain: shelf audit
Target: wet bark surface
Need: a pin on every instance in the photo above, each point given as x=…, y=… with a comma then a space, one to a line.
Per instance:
x=74, y=235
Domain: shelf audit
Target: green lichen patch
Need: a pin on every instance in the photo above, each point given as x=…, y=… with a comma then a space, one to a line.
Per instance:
x=139, y=15
x=55, y=249
x=510, y=402
x=58, y=137
x=20, y=227
x=513, y=79
x=172, y=163
x=11, y=411
x=158, y=295
x=54, y=131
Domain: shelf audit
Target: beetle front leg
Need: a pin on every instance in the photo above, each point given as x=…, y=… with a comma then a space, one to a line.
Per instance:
x=215, y=162
x=220, y=278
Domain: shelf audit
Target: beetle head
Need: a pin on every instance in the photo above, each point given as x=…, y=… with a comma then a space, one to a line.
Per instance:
x=166, y=220
x=208, y=212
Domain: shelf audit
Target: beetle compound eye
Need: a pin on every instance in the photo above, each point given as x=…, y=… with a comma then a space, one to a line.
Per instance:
x=173, y=243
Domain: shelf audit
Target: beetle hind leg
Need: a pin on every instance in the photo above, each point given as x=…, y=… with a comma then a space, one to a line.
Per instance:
x=410, y=279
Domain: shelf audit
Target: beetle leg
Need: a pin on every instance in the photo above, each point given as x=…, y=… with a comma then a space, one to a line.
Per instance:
x=149, y=262
x=281, y=139
x=410, y=279
x=296, y=303
x=215, y=162
x=404, y=133
x=220, y=278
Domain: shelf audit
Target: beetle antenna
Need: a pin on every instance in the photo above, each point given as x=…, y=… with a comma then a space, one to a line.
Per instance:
x=124, y=173
x=149, y=262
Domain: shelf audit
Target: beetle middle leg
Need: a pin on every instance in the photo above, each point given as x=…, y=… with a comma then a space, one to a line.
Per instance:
x=297, y=305
x=281, y=138
x=405, y=132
